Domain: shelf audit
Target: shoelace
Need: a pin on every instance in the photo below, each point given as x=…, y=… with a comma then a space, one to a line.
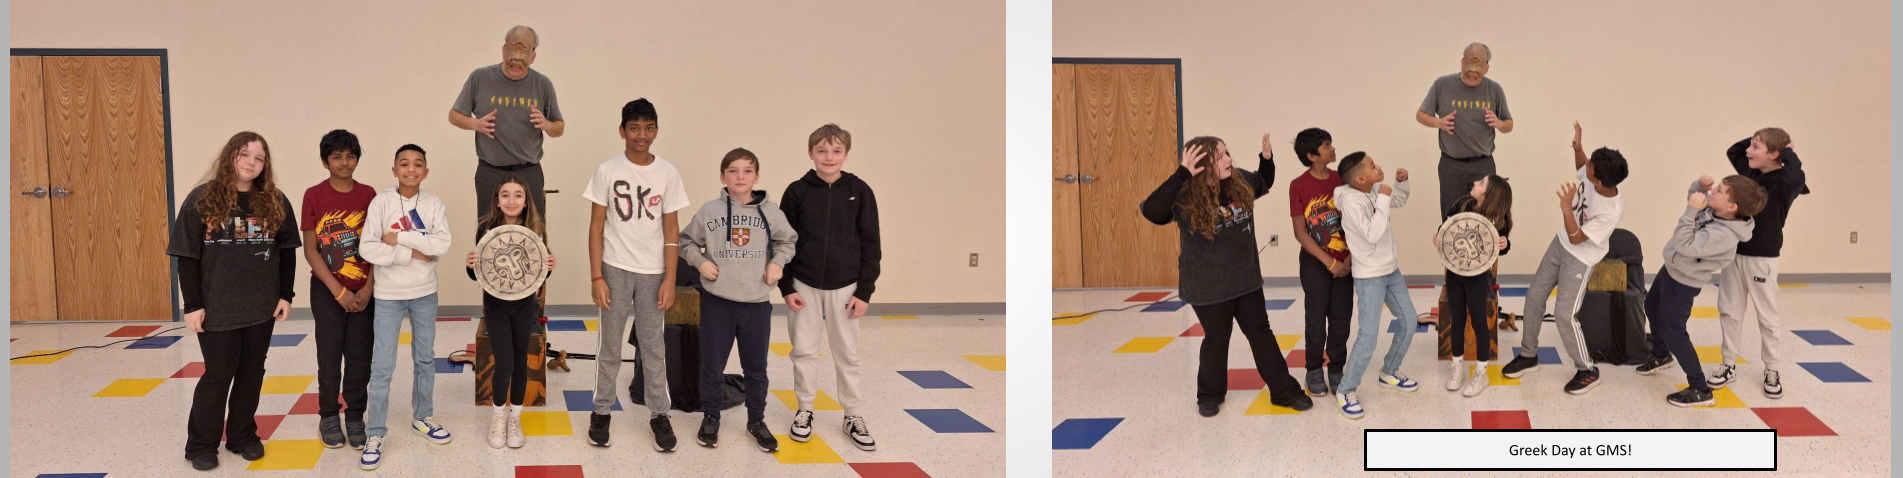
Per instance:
x=1772, y=378
x=431, y=423
x=374, y=447
x=805, y=420
x=1354, y=398
x=858, y=425
x=515, y=425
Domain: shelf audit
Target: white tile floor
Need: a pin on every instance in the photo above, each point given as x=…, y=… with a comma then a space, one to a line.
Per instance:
x=59, y=426
x=1161, y=433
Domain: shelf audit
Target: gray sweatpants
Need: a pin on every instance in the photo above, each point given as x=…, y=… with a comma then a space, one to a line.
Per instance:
x=1558, y=270
x=631, y=293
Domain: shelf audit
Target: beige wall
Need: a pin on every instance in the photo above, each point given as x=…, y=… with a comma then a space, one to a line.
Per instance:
x=1670, y=84
x=920, y=86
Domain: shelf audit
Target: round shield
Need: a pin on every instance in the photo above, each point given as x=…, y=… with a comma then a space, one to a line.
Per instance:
x=511, y=262
x=1468, y=244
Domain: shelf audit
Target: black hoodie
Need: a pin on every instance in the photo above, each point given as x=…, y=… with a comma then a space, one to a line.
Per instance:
x=838, y=226
x=1781, y=187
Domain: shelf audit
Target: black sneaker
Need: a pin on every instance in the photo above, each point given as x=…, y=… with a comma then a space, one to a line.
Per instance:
x=1723, y=377
x=802, y=429
x=1655, y=364
x=1297, y=402
x=205, y=462
x=331, y=430
x=1521, y=365
x=1334, y=382
x=709, y=431
x=763, y=437
x=1773, y=387
x=252, y=452
x=663, y=433
x=1583, y=381
x=1317, y=383
x=1208, y=409
x=1690, y=397
x=598, y=429
x=353, y=432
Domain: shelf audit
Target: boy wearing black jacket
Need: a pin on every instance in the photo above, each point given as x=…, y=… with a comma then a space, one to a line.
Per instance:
x=1767, y=159
x=830, y=281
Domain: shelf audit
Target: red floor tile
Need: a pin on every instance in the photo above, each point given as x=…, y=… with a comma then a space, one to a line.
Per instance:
x=1501, y=420
x=306, y=405
x=1194, y=331
x=889, y=470
x=1793, y=422
x=133, y=331
x=267, y=424
x=1147, y=297
x=548, y=471
x=1245, y=379
x=1298, y=358
x=191, y=370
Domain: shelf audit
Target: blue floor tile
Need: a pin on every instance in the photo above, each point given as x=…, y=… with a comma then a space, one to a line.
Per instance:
x=567, y=326
x=1169, y=306
x=1280, y=304
x=933, y=379
x=1418, y=327
x=443, y=365
x=1548, y=355
x=584, y=401
x=289, y=340
x=159, y=342
x=1512, y=292
x=1833, y=372
x=1820, y=337
x=948, y=420
x=1081, y=433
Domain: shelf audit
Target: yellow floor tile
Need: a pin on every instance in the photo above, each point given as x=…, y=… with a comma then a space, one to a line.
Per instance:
x=993, y=363
x=537, y=424
x=130, y=387
x=821, y=402
x=780, y=348
x=1144, y=345
x=1495, y=378
x=47, y=359
x=403, y=338
x=1712, y=354
x=1868, y=323
x=288, y=455
x=1724, y=396
x=899, y=317
x=1289, y=341
x=1790, y=285
x=1073, y=320
x=287, y=384
x=811, y=452
x=1704, y=312
x=592, y=325
x=1261, y=406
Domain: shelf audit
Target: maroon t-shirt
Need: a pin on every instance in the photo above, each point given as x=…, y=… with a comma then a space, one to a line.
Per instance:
x=1314, y=201
x=338, y=219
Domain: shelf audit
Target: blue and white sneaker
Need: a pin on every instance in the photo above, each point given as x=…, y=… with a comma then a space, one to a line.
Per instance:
x=428, y=428
x=372, y=454
x=1349, y=403
x=1399, y=381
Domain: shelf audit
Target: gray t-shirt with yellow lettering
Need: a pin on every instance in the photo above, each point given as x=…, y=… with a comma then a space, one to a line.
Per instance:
x=517, y=141
x=1471, y=135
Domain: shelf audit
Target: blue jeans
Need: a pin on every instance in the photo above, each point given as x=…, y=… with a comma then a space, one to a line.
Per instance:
x=1369, y=295
x=388, y=322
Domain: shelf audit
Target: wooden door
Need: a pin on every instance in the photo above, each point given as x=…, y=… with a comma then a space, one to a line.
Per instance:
x=1126, y=145
x=105, y=139
x=32, y=223
x=1067, y=254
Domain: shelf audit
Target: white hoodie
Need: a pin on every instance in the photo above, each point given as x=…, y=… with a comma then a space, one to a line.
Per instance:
x=1366, y=223
x=400, y=276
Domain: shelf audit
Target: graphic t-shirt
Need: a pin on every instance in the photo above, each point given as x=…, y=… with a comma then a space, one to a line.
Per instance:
x=1314, y=200
x=1597, y=217
x=338, y=218
x=517, y=141
x=1472, y=137
x=238, y=262
x=636, y=197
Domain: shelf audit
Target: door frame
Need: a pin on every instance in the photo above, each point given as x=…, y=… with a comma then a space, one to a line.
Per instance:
x=1174, y=62
x=165, y=97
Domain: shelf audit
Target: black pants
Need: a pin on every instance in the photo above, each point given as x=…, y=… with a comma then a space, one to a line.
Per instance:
x=1251, y=314
x=723, y=322
x=1328, y=304
x=1457, y=176
x=344, y=341
x=226, y=399
x=1467, y=303
x=487, y=177
x=1669, y=305
x=510, y=324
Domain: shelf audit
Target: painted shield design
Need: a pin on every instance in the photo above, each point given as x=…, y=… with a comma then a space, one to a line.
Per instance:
x=511, y=262
x=1468, y=244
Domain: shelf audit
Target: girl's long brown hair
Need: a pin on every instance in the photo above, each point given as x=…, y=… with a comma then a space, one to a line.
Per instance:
x=1203, y=194
x=221, y=191
x=1497, y=206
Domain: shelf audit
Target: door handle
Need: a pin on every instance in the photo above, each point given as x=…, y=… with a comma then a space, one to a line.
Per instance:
x=61, y=191
x=1067, y=179
x=1089, y=178
x=36, y=192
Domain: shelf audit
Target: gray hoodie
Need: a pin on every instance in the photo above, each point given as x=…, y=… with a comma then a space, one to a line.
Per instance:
x=1703, y=243
x=744, y=248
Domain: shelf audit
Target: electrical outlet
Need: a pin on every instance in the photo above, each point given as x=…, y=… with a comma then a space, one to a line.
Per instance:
x=974, y=259
x=1853, y=237
x=1275, y=240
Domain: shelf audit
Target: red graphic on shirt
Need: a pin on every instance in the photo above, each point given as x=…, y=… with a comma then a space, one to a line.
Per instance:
x=740, y=237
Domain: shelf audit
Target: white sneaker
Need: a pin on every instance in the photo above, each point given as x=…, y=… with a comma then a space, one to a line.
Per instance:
x=515, y=427
x=1478, y=384
x=429, y=429
x=498, y=427
x=372, y=454
x=861, y=436
x=1456, y=375
x=802, y=426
